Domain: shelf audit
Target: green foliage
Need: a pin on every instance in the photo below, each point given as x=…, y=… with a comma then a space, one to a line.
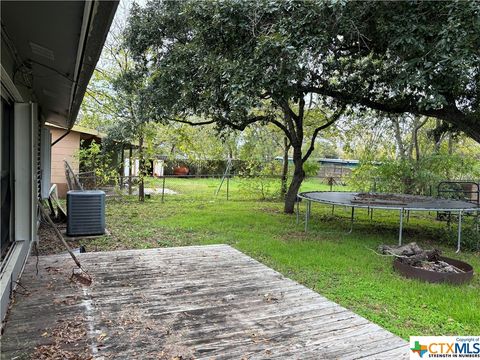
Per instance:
x=99, y=163
x=311, y=168
x=261, y=178
x=418, y=57
x=215, y=58
x=212, y=62
x=216, y=61
x=414, y=177
x=363, y=177
x=261, y=143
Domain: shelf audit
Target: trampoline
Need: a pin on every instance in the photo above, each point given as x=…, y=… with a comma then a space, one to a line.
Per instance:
x=400, y=202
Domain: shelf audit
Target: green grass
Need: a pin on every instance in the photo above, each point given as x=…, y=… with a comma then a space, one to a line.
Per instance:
x=340, y=266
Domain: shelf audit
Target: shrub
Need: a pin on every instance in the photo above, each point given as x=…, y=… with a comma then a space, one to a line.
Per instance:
x=261, y=179
x=97, y=162
x=311, y=168
x=413, y=177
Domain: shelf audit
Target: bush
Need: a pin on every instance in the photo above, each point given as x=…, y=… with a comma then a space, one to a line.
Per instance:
x=97, y=162
x=413, y=177
x=311, y=168
x=261, y=179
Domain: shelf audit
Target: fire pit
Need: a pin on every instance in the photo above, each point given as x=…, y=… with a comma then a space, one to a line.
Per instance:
x=426, y=264
x=414, y=272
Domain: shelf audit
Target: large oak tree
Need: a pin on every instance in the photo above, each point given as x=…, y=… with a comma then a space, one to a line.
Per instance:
x=234, y=63
x=230, y=63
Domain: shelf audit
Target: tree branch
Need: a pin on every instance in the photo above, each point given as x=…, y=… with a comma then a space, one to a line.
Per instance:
x=241, y=127
x=283, y=128
x=289, y=126
x=193, y=123
x=332, y=120
x=448, y=112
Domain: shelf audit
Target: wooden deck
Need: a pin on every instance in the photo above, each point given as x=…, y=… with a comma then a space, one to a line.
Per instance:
x=200, y=302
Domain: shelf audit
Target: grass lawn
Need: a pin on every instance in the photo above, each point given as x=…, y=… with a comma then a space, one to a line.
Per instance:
x=338, y=265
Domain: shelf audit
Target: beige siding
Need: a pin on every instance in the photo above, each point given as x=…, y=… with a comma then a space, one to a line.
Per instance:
x=65, y=149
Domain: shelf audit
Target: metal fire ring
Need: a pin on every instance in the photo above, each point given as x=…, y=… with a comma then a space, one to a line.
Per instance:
x=413, y=272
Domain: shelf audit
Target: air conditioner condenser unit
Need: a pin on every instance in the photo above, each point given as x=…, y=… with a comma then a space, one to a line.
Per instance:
x=85, y=213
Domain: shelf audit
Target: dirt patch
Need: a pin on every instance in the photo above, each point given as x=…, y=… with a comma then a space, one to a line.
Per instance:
x=49, y=243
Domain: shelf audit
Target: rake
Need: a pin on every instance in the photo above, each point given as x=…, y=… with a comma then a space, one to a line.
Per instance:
x=83, y=276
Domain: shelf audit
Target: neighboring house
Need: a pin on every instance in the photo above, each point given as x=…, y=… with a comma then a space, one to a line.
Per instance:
x=336, y=168
x=48, y=53
x=66, y=144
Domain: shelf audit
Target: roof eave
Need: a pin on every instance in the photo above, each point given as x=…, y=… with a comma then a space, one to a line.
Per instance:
x=99, y=22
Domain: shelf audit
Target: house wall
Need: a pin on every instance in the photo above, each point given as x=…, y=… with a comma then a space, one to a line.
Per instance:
x=35, y=90
x=25, y=149
x=65, y=149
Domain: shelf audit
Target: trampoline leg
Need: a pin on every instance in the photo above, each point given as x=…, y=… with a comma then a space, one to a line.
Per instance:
x=307, y=215
x=408, y=216
x=298, y=211
x=459, y=241
x=333, y=209
x=371, y=214
x=400, y=231
x=351, y=221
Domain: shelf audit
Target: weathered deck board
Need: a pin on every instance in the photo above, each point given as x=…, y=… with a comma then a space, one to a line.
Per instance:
x=202, y=302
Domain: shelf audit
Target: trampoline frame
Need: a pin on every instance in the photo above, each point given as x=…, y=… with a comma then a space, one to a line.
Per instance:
x=401, y=208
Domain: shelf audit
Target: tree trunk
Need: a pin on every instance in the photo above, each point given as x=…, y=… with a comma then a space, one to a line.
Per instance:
x=398, y=138
x=437, y=138
x=418, y=126
x=130, y=164
x=417, y=146
x=141, y=170
x=122, y=166
x=298, y=176
x=286, y=147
